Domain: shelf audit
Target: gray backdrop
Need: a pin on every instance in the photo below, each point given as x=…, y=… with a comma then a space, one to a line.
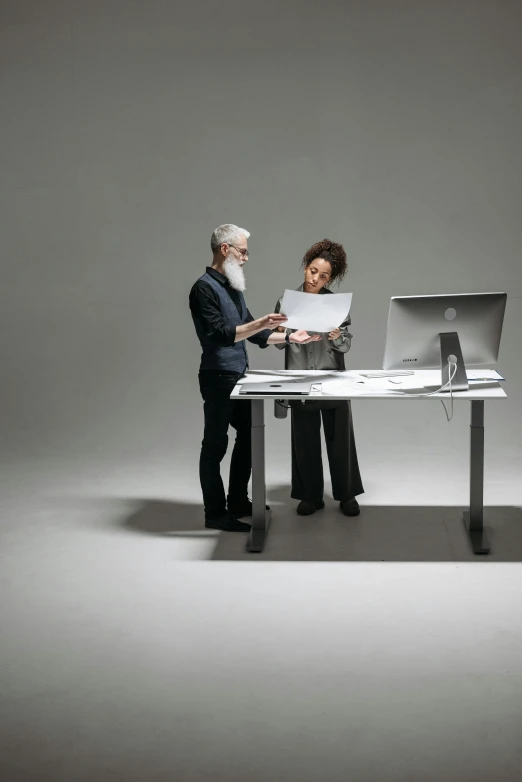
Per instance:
x=134, y=645
x=131, y=129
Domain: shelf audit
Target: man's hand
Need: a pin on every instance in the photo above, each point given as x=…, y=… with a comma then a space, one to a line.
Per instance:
x=302, y=337
x=335, y=334
x=273, y=320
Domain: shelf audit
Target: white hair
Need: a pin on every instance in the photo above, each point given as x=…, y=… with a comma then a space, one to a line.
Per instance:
x=226, y=234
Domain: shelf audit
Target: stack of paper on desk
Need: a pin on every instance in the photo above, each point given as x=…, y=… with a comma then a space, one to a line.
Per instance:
x=406, y=385
x=351, y=386
x=315, y=312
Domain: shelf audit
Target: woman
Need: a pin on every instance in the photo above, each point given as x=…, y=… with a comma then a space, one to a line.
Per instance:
x=323, y=264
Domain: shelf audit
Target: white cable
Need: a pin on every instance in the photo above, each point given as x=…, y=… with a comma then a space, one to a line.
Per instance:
x=400, y=392
x=449, y=417
x=449, y=383
x=430, y=393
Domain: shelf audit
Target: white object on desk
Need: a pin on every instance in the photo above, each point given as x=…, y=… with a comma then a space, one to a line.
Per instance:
x=315, y=312
x=349, y=383
x=268, y=377
x=405, y=387
x=390, y=373
x=290, y=388
x=263, y=373
x=486, y=374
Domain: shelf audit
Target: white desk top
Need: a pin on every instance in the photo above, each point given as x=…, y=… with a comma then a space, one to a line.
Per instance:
x=351, y=385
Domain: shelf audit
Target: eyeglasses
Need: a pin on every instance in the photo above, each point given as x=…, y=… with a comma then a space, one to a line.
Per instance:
x=240, y=250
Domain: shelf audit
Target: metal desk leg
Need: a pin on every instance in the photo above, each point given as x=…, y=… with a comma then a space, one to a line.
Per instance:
x=474, y=518
x=260, y=516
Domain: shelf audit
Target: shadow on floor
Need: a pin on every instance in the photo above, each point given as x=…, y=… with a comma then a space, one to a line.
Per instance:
x=172, y=519
x=380, y=533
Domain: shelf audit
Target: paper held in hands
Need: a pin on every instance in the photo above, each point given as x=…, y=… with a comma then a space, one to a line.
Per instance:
x=315, y=311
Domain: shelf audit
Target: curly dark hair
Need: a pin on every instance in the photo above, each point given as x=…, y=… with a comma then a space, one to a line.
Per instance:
x=331, y=252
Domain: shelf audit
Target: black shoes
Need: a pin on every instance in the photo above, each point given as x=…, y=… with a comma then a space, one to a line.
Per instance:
x=242, y=509
x=307, y=507
x=350, y=507
x=227, y=523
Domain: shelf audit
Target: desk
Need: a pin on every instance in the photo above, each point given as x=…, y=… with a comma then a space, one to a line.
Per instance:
x=473, y=517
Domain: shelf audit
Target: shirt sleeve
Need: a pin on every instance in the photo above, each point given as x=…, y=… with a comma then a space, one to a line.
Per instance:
x=261, y=338
x=343, y=343
x=204, y=305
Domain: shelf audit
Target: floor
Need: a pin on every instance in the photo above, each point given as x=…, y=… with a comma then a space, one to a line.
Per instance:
x=137, y=646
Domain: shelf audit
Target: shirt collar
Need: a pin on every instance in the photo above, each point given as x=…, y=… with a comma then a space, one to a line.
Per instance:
x=217, y=275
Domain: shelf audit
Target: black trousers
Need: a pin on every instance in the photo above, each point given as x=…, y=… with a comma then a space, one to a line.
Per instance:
x=221, y=412
x=307, y=465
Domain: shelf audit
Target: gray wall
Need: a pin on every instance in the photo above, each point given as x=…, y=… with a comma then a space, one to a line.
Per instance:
x=131, y=129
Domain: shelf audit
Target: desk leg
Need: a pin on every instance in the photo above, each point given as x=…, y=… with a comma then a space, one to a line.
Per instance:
x=474, y=518
x=260, y=516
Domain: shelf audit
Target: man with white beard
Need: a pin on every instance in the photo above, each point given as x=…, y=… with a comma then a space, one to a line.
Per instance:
x=223, y=323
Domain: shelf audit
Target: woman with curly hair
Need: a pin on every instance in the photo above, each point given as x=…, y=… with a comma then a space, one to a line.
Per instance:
x=323, y=264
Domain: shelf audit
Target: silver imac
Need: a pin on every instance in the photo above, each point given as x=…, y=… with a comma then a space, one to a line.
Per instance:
x=426, y=332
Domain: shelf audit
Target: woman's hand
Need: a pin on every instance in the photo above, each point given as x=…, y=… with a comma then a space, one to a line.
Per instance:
x=335, y=334
x=302, y=337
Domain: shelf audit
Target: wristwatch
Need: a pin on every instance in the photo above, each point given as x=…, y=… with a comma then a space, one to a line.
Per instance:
x=287, y=338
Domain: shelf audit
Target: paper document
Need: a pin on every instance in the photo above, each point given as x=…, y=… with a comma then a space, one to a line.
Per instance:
x=341, y=387
x=315, y=312
x=479, y=374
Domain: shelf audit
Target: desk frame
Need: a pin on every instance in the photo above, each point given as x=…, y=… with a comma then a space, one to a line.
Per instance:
x=473, y=518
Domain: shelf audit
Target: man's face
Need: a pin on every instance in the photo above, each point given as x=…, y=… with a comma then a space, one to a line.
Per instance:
x=236, y=255
x=237, y=252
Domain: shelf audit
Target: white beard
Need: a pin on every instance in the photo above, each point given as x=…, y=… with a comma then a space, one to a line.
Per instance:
x=233, y=271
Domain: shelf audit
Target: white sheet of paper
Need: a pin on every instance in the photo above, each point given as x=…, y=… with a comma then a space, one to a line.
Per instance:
x=315, y=312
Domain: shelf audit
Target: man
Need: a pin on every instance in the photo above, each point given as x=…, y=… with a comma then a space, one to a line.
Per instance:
x=223, y=323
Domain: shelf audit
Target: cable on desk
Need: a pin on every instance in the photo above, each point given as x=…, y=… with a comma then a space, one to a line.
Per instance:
x=451, y=376
x=438, y=390
x=452, y=371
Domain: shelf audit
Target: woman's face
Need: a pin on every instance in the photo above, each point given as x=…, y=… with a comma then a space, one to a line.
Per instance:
x=317, y=274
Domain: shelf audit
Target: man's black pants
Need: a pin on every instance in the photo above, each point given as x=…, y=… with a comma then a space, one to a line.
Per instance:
x=221, y=412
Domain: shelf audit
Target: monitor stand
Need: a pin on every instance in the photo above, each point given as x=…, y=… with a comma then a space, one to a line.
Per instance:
x=450, y=350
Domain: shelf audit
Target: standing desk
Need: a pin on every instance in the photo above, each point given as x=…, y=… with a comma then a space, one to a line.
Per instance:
x=370, y=389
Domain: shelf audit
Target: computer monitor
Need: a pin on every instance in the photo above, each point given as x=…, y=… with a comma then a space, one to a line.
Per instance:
x=426, y=332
